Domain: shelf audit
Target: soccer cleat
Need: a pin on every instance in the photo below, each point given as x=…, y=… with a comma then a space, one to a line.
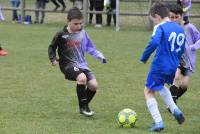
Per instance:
x=157, y=127
x=178, y=115
x=3, y=52
x=85, y=110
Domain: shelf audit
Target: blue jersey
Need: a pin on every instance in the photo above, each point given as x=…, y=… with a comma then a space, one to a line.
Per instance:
x=168, y=40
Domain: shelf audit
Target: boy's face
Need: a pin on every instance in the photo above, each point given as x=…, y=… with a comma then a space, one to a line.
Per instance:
x=75, y=25
x=175, y=17
x=156, y=19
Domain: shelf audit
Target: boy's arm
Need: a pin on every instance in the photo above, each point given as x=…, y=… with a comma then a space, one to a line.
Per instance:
x=196, y=38
x=93, y=52
x=52, y=49
x=187, y=7
x=152, y=45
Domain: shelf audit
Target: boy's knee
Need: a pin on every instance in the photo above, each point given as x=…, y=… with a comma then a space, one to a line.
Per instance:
x=82, y=79
x=93, y=86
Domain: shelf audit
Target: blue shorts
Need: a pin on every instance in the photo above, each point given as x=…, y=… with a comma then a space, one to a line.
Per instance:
x=156, y=81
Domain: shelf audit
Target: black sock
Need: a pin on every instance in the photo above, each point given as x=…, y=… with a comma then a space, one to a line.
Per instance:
x=90, y=95
x=181, y=91
x=174, y=92
x=82, y=96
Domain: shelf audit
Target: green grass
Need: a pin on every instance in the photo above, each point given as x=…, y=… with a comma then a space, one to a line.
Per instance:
x=36, y=99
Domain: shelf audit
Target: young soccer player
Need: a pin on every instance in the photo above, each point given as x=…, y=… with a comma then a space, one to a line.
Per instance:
x=2, y=52
x=188, y=60
x=168, y=40
x=71, y=43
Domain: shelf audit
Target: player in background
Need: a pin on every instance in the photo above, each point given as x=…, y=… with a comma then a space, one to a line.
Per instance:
x=168, y=40
x=188, y=60
x=2, y=52
x=71, y=44
x=186, y=5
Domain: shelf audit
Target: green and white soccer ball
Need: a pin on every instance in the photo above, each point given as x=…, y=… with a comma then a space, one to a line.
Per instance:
x=127, y=118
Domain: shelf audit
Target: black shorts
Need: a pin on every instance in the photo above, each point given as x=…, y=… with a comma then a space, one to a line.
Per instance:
x=72, y=72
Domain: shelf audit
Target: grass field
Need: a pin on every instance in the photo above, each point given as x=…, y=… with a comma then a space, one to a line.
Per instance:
x=36, y=99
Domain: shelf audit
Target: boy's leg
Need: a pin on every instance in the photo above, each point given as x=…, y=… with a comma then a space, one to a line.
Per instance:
x=15, y=17
x=37, y=4
x=56, y=4
x=184, y=85
x=82, y=95
x=91, y=89
x=99, y=7
x=63, y=4
x=91, y=9
x=114, y=18
x=81, y=89
x=109, y=16
x=181, y=91
x=167, y=98
x=153, y=109
x=178, y=92
x=17, y=5
x=43, y=6
x=174, y=92
x=174, y=88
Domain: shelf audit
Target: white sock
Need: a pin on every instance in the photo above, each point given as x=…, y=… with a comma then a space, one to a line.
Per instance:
x=167, y=98
x=153, y=109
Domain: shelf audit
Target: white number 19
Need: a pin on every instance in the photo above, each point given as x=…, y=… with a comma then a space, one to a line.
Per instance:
x=179, y=40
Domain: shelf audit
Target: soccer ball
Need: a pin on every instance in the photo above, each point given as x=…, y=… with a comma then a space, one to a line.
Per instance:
x=127, y=118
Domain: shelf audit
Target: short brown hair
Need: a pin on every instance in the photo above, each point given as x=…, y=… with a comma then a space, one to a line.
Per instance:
x=159, y=9
x=74, y=13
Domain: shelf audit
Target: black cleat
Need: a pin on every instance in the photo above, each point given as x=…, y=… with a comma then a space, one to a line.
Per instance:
x=85, y=110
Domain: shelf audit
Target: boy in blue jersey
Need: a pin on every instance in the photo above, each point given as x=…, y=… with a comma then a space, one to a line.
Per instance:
x=71, y=44
x=168, y=40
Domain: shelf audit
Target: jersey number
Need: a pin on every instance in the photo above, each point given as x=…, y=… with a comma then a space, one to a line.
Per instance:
x=176, y=39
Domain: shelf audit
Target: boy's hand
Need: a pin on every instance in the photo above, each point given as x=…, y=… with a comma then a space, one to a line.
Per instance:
x=55, y=62
x=184, y=10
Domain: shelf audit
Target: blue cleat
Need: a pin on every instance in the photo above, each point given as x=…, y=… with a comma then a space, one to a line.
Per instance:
x=178, y=115
x=157, y=127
